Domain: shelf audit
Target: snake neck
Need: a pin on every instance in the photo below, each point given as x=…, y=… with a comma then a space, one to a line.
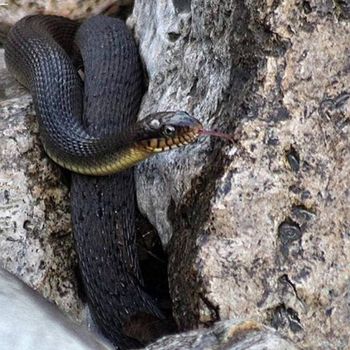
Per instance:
x=101, y=156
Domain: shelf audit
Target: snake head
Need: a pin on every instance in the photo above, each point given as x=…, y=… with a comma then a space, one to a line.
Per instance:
x=168, y=130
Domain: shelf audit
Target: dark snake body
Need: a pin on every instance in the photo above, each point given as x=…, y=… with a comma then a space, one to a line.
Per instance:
x=103, y=208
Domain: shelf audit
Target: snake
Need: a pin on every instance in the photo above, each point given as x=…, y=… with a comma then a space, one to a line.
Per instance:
x=89, y=126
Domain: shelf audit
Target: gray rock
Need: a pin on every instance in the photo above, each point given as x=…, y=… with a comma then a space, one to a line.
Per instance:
x=24, y=159
x=262, y=228
x=228, y=335
x=29, y=322
x=35, y=230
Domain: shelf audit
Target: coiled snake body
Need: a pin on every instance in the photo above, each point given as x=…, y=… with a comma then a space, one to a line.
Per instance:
x=96, y=133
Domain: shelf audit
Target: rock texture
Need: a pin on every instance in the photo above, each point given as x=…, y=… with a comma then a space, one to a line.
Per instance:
x=262, y=228
x=229, y=335
x=11, y=11
x=42, y=327
x=259, y=229
x=29, y=322
x=35, y=231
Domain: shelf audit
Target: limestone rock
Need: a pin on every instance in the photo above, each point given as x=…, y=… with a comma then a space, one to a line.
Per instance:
x=257, y=230
x=11, y=11
x=29, y=322
x=35, y=236
x=230, y=335
x=262, y=228
x=42, y=327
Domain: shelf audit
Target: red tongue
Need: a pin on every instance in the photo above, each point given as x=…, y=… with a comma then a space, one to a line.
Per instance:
x=217, y=134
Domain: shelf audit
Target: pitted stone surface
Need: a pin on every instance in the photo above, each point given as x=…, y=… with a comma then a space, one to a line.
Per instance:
x=12, y=11
x=231, y=335
x=35, y=235
x=260, y=228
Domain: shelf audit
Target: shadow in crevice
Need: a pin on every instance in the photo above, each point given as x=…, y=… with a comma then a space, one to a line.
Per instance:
x=154, y=267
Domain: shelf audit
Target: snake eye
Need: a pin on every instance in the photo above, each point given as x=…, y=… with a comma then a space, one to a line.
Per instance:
x=168, y=130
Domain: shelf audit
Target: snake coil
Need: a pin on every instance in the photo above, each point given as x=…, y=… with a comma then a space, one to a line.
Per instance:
x=103, y=208
x=91, y=129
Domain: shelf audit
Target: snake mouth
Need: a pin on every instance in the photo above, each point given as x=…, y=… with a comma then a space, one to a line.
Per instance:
x=157, y=145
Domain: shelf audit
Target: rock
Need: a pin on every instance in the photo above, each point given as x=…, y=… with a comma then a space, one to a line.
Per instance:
x=258, y=230
x=230, y=335
x=12, y=11
x=261, y=228
x=35, y=237
x=42, y=327
x=29, y=322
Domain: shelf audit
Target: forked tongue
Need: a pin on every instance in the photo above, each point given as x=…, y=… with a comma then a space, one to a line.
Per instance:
x=217, y=134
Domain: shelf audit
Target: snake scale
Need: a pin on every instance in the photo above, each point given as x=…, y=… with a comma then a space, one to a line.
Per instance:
x=111, y=199
x=90, y=128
